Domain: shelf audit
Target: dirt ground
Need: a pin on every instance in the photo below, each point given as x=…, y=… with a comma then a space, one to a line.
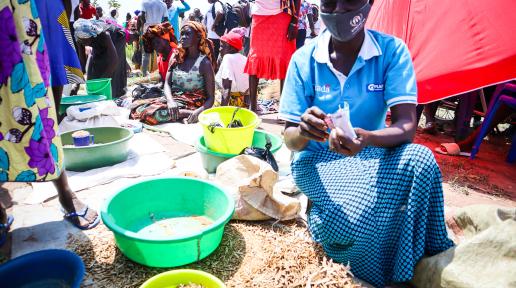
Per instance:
x=488, y=173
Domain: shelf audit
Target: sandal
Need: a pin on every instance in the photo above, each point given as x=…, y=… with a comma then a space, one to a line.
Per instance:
x=4, y=229
x=451, y=149
x=69, y=216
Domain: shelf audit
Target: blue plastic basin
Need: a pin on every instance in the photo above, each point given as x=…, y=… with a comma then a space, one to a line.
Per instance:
x=47, y=268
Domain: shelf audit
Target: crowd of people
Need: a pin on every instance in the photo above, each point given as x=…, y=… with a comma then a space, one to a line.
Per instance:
x=376, y=200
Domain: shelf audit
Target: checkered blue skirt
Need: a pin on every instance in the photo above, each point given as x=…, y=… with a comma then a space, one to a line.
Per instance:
x=380, y=211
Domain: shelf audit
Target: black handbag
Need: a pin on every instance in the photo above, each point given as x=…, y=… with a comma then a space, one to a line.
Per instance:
x=263, y=154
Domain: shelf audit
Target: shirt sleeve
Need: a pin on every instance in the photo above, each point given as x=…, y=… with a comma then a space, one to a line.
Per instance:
x=400, y=83
x=294, y=100
x=185, y=7
x=165, y=11
x=218, y=8
x=225, y=69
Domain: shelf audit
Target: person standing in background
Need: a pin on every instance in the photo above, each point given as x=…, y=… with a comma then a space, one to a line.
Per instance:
x=273, y=31
x=305, y=15
x=85, y=10
x=108, y=57
x=318, y=24
x=153, y=12
x=197, y=15
x=173, y=14
x=191, y=17
x=128, y=19
x=213, y=17
x=65, y=67
x=113, y=15
x=99, y=13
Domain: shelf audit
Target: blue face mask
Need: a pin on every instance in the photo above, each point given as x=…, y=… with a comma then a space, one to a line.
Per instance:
x=345, y=26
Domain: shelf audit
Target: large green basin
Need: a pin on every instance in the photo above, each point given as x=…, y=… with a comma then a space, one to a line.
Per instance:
x=112, y=148
x=131, y=211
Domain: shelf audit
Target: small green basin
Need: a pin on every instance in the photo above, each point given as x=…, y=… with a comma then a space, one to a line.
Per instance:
x=68, y=101
x=141, y=217
x=112, y=148
x=211, y=159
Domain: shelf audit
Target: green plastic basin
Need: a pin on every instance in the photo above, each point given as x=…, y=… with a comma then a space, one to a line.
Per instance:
x=211, y=159
x=134, y=210
x=175, y=278
x=112, y=148
x=68, y=101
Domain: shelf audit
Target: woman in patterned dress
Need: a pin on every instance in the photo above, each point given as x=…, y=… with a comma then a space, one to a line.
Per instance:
x=377, y=200
x=190, y=83
x=30, y=149
x=65, y=67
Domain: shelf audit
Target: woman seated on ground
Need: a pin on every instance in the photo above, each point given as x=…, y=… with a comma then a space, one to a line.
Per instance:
x=107, y=59
x=377, y=200
x=161, y=38
x=189, y=83
x=231, y=76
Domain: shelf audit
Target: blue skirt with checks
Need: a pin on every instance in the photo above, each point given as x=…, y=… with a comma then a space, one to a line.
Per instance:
x=380, y=211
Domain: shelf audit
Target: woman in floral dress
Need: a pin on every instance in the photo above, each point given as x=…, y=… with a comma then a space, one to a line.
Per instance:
x=190, y=82
x=30, y=149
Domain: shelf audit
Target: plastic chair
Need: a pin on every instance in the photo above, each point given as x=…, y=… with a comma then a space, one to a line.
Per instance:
x=501, y=97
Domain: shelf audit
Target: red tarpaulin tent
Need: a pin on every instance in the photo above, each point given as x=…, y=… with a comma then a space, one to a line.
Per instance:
x=457, y=45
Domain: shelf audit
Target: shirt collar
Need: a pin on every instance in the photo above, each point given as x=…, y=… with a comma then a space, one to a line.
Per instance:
x=369, y=49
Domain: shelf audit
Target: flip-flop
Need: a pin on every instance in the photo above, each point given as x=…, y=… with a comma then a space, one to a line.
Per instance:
x=4, y=228
x=82, y=215
x=451, y=149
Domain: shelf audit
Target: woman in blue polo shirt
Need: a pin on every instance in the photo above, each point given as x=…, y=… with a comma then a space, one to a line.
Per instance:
x=377, y=200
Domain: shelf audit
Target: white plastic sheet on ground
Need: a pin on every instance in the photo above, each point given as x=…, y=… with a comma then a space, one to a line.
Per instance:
x=146, y=158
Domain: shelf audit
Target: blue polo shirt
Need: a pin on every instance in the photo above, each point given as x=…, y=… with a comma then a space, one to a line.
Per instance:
x=382, y=76
x=173, y=16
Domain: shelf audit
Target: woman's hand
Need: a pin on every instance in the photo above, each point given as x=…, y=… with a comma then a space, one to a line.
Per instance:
x=173, y=110
x=193, y=118
x=312, y=126
x=342, y=144
x=292, y=31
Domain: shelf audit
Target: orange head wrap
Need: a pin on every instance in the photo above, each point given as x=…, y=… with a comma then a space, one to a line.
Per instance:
x=164, y=31
x=205, y=44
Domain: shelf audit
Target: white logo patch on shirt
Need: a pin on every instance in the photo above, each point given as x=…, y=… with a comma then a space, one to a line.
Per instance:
x=324, y=88
x=375, y=87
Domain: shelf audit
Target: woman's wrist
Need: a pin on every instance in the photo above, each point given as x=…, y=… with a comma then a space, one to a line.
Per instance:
x=365, y=136
x=294, y=139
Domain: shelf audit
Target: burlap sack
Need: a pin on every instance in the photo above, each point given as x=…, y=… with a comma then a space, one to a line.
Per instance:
x=251, y=182
x=486, y=256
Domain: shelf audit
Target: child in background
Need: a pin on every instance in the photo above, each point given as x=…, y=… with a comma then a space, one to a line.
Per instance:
x=231, y=76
